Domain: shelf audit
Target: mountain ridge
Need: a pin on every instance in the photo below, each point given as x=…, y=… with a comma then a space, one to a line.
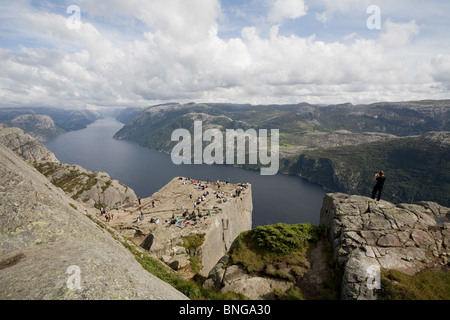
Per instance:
x=47, y=123
x=318, y=133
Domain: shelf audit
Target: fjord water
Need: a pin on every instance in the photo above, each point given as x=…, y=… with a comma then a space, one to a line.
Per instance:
x=279, y=198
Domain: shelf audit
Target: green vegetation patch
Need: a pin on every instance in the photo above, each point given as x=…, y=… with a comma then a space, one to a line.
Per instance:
x=284, y=239
x=277, y=250
x=71, y=181
x=46, y=168
x=194, y=241
x=107, y=185
x=196, y=264
x=426, y=285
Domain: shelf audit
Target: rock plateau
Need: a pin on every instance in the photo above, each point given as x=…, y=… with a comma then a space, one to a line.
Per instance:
x=224, y=212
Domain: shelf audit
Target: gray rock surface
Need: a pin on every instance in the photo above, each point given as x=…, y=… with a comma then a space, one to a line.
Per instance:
x=92, y=188
x=24, y=145
x=229, y=216
x=235, y=279
x=368, y=236
x=46, y=245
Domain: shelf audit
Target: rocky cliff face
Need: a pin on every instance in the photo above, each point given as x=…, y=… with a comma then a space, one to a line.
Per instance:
x=234, y=217
x=93, y=188
x=96, y=189
x=24, y=145
x=220, y=217
x=49, y=249
x=368, y=236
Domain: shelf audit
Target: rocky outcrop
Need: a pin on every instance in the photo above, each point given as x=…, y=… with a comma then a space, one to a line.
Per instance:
x=93, y=188
x=49, y=249
x=24, y=145
x=235, y=278
x=368, y=236
x=220, y=217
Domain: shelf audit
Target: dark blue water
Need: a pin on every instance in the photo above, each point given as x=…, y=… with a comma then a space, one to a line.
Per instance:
x=278, y=198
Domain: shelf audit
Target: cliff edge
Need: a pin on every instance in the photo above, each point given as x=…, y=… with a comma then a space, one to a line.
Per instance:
x=369, y=236
x=188, y=219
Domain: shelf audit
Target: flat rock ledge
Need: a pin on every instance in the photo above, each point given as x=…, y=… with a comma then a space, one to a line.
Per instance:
x=161, y=222
x=368, y=236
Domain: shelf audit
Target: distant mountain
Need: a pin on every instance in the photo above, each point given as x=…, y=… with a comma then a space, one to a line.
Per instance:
x=41, y=127
x=300, y=125
x=128, y=114
x=417, y=168
x=47, y=123
x=400, y=118
x=316, y=140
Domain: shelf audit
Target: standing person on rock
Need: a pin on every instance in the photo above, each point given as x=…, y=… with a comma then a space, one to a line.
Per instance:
x=379, y=178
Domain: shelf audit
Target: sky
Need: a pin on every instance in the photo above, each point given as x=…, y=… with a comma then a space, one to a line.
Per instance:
x=137, y=53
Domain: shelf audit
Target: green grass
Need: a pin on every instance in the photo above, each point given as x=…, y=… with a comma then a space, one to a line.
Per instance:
x=279, y=251
x=284, y=239
x=196, y=264
x=194, y=241
x=266, y=248
x=426, y=285
x=292, y=294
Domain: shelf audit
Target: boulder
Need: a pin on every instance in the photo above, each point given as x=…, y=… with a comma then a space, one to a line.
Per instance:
x=179, y=262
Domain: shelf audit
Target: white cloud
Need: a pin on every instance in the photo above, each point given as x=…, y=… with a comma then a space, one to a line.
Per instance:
x=399, y=34
x=287, y=9
x=441, y=69
x=182, y=20
x=340, y=6
x=181, y=57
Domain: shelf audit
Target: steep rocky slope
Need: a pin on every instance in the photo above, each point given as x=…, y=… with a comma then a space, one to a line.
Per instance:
x=369, y=236
x=96, y=189
x=47, y=244
x=24, y=145
x=93, y=188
